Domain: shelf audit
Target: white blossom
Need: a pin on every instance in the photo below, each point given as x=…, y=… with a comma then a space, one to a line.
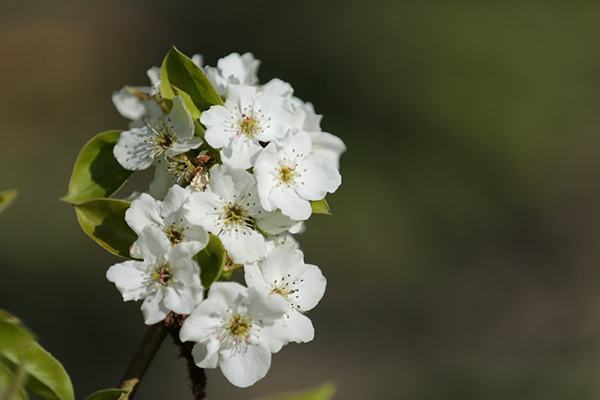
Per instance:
x=324, y=144
x=167, y=280
x=236, y=329
x=283, y=272
x=229, y=208
x=233, y=69
x=247, y=119
x=131, y=106
x=169, y=217
x=291, y=177
x=161, y=136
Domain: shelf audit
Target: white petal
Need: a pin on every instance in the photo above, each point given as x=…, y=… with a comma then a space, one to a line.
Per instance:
x=328, y=146
x=154, y=76
x=173, y=202
x=241, y=68
x=180, y=120
x=300, y=327
x=311, y=291
x=133, y=151
x=281, y=262
x=242, y=152
x=241, y=97
x=254, y=277
x=227, y=181
x=318, y=178
x=290, y=204
x=206, y=354
x=182, y=145
x=200, y=208
x=130, y=278
x=182, y=298
x=153, y=245
x=266, y=307
x=275, y=223
x=218, y=120
x=143, y=211
x=277, y=87
x=226, y=293
x=128, y=104
x=246, y=367
x=280, y=112
x=198, y=59
x=243, y=244
x=153, y=309
x=204, y=320
x=306, y=119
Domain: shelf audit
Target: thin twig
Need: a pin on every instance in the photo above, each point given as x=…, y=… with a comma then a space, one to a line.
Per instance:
x=141, y=360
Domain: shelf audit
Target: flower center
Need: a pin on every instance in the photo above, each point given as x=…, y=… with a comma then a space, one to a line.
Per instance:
x=287, y=175
x=249, y=125
x=174, y=234
x=234, y=214
x=162, y=137
x=236, y=330
x=162, y=274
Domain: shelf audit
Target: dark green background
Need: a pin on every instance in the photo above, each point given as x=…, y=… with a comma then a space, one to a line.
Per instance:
x=462, y=260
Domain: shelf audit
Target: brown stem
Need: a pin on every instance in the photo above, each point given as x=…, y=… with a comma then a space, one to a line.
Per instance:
x=196, y=375
x=141, y=360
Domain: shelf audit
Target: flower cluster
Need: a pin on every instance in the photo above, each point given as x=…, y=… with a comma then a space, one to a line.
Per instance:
x=245, y=172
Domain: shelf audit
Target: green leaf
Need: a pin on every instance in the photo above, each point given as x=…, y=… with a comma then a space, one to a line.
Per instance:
x=323, y=392
x=189, y=104
x=211, y=260
x=7, y=197
x=108, y=394
x=104, y=221
x=13, y=337
x=97, y=173
x=46, y=378
x=7, y=383
x=8, y=317
x=179, y=71
x=320, y=207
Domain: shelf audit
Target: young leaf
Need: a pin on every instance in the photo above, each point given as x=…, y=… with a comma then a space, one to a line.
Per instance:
x=8, y=317
x=97, y=174
x=211, y=260
x=9, y=389
x=104, y=221
x=320, y=207
x=108, y=394
x=323, y=392
x=13, y=336
x=179, y=71
x=46, y=378
x=7, y=197
x=189, y=103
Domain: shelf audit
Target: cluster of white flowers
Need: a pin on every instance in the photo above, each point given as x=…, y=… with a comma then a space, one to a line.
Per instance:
x=246, y=172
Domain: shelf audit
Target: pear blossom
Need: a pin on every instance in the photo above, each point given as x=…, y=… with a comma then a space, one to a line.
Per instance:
x=248, y=118
x=131, y=106
x=291, y=177
x=283, y=272
x=233, y=69
x=275, y=223
x=283, y=239
x=324, y=144
x=236, y=329
x=169, y=217
x=229, y=208
x=167, y=279
x=161, y=136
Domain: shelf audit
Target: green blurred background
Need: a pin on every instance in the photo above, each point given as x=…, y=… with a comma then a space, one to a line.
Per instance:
x=462, y=260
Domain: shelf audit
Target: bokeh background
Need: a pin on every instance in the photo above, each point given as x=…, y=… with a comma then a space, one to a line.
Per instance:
x=463, y=257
